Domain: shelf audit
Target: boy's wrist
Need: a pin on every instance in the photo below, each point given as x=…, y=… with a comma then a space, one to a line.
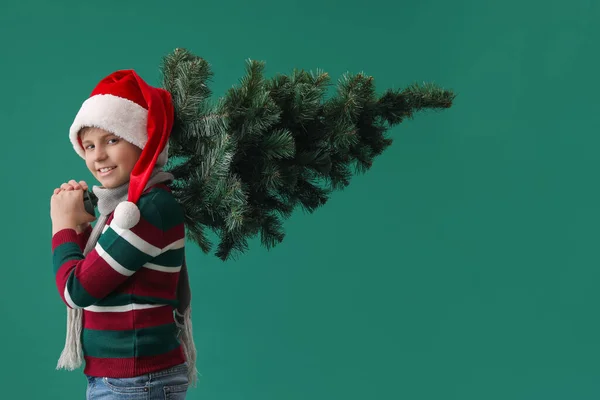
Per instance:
x=81, y=228
x=63, y=234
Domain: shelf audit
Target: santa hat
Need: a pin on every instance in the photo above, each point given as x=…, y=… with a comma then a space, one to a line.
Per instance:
x=125, y=105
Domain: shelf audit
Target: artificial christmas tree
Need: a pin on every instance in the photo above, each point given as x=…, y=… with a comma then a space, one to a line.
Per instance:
x=244, y=163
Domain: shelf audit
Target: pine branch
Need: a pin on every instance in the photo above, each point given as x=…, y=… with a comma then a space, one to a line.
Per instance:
x=269, y=146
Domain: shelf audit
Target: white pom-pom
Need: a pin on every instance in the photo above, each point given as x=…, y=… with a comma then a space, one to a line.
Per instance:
x=126, y=215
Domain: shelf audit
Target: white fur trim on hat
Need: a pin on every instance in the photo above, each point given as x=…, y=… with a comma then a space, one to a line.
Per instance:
x=114, y=114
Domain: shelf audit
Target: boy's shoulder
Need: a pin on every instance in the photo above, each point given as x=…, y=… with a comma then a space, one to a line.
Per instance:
x=159, y=192
x=159, y=201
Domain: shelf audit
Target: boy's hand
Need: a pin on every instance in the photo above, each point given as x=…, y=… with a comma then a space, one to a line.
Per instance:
x=71, y=185
x=66, y=207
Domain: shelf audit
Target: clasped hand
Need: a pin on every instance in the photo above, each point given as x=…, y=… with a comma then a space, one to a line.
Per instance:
x=67, y=209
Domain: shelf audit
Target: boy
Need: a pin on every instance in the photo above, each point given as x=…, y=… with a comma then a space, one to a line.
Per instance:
x=122, y=279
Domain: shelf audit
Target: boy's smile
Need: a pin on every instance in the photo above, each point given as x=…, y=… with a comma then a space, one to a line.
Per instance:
x=108, y=157
x=106, y=171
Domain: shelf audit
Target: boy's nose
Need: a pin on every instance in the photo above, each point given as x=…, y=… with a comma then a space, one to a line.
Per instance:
x=100, y=155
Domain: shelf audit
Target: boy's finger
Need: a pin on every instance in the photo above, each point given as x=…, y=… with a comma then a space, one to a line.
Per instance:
x=74, y=184
x=83, y=185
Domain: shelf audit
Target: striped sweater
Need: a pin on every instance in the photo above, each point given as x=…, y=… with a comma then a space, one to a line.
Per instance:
x=126, y=287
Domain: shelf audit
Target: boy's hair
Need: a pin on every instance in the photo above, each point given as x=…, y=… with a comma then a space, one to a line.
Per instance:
x=83, y=131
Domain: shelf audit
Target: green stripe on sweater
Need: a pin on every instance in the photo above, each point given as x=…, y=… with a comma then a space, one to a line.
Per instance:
x=130, y=343
x=123, y=252
x=78, y=294
x=170, y=258
x=171, y=212
x=149, y=210
x=65, y=252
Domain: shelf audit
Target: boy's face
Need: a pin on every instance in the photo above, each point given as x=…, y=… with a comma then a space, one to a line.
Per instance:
x=103, y=149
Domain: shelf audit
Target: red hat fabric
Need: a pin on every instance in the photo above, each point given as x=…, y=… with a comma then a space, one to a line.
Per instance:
x=124, y=104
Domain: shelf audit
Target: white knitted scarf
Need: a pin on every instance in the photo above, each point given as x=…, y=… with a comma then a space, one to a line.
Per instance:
x=72, y=355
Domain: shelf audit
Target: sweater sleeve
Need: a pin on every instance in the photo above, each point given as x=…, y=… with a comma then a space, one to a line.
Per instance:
x=83, y=237
x=118, y=254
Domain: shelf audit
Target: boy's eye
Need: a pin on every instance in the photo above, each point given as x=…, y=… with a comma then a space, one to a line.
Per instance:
x=115, y=139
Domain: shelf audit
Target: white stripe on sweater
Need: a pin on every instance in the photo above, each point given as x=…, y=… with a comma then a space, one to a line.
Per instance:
x=178, y=244
x=141, y=245
x=161, y=268
x=112, y=262
x=124, y=308
x=68, y=298
x=136, y=241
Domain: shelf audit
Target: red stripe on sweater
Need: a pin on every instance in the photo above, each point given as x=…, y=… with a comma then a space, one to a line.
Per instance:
x=174, y=234
x=97, y=277
x=62, y=275
x=155, y=284
x=129, y=367
x=63, y=236
x=135, y=319
x=83, y=237
x=149, y=233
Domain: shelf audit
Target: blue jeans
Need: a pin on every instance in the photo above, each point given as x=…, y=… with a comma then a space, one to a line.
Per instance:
x=169, y=384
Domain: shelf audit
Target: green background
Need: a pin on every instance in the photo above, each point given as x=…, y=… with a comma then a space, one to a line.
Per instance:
x=464, y=265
